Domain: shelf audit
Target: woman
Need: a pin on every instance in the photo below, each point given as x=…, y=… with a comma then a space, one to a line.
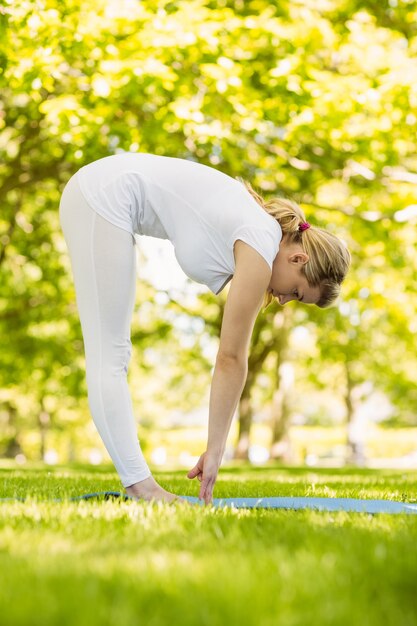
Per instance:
x=221, y=229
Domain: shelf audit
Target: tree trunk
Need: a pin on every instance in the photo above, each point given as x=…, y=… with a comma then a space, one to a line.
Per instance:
x=280, y=416
x=13, y=447
x=354, y=432
x=283, y=383
x=44, y=420
x=245, y=423
x=72, y=455
x=260, y=350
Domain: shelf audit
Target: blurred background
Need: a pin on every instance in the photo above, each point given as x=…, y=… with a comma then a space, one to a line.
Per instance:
x=312, y=99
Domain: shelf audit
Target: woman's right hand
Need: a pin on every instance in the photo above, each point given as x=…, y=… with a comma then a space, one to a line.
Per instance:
x=206, y=470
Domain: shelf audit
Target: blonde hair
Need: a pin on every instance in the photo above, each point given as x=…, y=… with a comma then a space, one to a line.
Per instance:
x=329, y=258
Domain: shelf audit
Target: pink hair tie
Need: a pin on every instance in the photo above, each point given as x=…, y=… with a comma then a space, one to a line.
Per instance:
x=303, y=226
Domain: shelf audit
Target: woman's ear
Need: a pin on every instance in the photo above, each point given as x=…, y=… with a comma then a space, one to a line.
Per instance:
x=299, y=258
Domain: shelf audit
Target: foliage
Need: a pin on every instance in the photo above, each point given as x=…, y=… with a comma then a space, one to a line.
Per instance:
x=315, y=100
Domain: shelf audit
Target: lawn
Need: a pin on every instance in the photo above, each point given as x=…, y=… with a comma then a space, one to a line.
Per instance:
x=118, y=563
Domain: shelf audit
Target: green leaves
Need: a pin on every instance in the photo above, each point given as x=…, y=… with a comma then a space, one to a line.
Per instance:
x=312, y=100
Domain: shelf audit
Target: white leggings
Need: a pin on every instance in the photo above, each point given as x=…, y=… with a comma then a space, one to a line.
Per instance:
x=103, y=262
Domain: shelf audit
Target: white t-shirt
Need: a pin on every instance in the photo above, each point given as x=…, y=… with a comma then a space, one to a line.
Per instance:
x=198, y=208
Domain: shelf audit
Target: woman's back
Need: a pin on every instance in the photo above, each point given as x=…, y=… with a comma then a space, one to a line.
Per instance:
x=201, y=210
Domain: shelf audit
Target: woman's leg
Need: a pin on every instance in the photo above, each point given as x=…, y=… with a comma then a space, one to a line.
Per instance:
x=103, y=264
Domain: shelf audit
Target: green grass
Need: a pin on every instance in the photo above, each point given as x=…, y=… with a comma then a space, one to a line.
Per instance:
x=120, y=563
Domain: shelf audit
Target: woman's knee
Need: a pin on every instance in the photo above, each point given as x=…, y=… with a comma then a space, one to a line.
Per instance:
x=112, y=359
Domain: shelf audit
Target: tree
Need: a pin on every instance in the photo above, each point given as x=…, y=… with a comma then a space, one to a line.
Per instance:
x=309, y=100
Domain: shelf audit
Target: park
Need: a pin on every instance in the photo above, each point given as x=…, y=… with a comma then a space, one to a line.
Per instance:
x=297, y=505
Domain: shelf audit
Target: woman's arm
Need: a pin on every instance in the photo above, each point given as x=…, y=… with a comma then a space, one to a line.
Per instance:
x=250, y=281
x=227, y=384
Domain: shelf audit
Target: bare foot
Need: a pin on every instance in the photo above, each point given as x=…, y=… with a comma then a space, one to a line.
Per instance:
x=150, y=490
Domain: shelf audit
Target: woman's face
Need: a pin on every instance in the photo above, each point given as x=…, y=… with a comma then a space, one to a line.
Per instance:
x=287, y=282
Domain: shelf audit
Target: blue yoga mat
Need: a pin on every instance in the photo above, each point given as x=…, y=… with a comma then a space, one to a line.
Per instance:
x=296, y=503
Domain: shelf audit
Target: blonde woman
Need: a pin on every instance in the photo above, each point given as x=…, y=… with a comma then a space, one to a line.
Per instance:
x=222, y=231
